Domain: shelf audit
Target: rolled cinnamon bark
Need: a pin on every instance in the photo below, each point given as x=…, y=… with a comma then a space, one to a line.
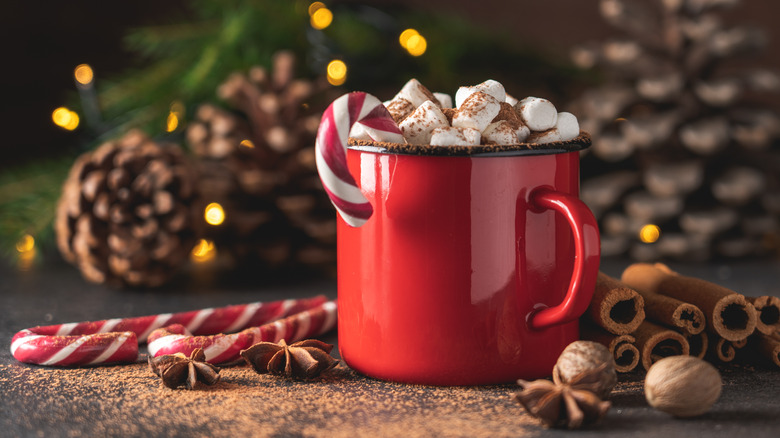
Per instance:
x=767, y=346
x=615, y=307
x=697, y=343
x=655, y=342
x=728, y=313
x=768, y=312
x=725, y=350
x=672, y=312
x=621, y=346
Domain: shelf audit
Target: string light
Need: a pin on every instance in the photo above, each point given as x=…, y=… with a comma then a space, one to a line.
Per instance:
x=405, y=35
x=175, y=114
x=26, y=249
x=65, y=118
x=416, y=45
x=247, y=143
x=203, y=251
x=214, y=214
x=25, y=244
x=321, y=18
x=649, y=233
x=337, y=72
x=83, y=74
x=314, y=7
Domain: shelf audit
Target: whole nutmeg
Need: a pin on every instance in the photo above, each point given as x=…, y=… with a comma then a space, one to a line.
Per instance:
x=582, y=356
x=683, y=386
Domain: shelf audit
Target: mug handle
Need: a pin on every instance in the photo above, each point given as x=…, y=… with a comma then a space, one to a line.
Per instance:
x=587, y=250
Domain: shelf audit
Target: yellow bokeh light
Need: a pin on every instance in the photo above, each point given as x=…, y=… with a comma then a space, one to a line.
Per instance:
x=247, y=143
x=172, y=122
x=25, y=244
x=314, y=7
x=416, y=45
x=65, y=118
x=649, y=233
x=405, y=35
x=337, y=72
x=214, y=214
x=203, y=251
x=321, y=18
x=61, y=116
x=83, y=74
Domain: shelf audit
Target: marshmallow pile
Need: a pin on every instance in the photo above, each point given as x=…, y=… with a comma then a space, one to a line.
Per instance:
x=483, y=114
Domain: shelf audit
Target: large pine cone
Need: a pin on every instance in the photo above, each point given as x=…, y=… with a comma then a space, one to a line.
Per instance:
x=126, y=212
x=258, y=163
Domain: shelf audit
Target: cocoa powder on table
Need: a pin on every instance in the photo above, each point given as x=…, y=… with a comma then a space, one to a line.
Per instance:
x=129, y=400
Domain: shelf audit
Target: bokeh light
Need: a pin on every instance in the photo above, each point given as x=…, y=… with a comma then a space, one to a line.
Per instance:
x=247, y=143
x=65, y=118
x=321, y=18
x=25, y=244
x=172, y=122
x=83, y=74
x=337, y=72
x=314, y=7
x=214, y=214
x=405, y=35
x=649, y=233
x=203, y=251
x=416, y=45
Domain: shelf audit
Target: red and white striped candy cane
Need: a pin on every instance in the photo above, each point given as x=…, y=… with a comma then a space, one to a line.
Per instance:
x=331, y=150
x=226, y=348
x=116, y=340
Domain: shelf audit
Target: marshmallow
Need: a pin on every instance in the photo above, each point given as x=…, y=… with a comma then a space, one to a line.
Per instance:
x=477, y=111
x=511, y=100
x=567, y=128
x=399, y=108
x=455, y=137
x=445, y=100
x=509, y=114
x=415, y=92
x=418, y=126
x=500, y=132
x=538, y=114
x=491, y=87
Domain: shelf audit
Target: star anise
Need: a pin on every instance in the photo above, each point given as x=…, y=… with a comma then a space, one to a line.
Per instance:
x=177, y=369
x=301, y=360
x=567, y=405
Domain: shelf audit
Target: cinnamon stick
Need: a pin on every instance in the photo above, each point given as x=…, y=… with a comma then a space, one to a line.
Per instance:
x=698, y=343
x=767, y=346
x=621, y=346
x=768, y=310
x=725, y=350
x=672, y=312
x=615, y=306
x=655, y=342
x=728, y=313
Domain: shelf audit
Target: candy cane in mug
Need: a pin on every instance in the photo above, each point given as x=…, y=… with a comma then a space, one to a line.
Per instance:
x=331, y=149
x=224, y=348
x=116, y=340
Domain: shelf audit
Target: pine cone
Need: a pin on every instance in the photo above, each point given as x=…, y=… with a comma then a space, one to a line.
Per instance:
x=678, y=141
x=125, y=215
x=257, y=162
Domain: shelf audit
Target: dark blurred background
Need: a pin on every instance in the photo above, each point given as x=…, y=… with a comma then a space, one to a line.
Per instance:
x=44, y=41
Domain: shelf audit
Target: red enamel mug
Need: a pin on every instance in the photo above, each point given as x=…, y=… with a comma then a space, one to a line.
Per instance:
x=458, y=265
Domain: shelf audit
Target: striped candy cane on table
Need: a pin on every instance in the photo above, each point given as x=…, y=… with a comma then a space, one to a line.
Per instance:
x=224, y=348
x=331, y=150
x=116, y=340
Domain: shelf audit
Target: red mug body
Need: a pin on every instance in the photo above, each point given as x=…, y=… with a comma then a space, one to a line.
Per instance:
x=440, y=286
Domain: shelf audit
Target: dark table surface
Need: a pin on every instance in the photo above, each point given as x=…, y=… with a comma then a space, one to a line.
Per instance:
x=129, y=401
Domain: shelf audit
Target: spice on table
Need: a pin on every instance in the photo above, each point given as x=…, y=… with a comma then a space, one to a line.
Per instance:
x=302, y=360
x=581, y=356
x=179, y=370
x=566, y=405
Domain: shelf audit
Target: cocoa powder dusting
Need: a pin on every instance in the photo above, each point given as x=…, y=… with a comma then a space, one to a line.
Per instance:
x=130, y=401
